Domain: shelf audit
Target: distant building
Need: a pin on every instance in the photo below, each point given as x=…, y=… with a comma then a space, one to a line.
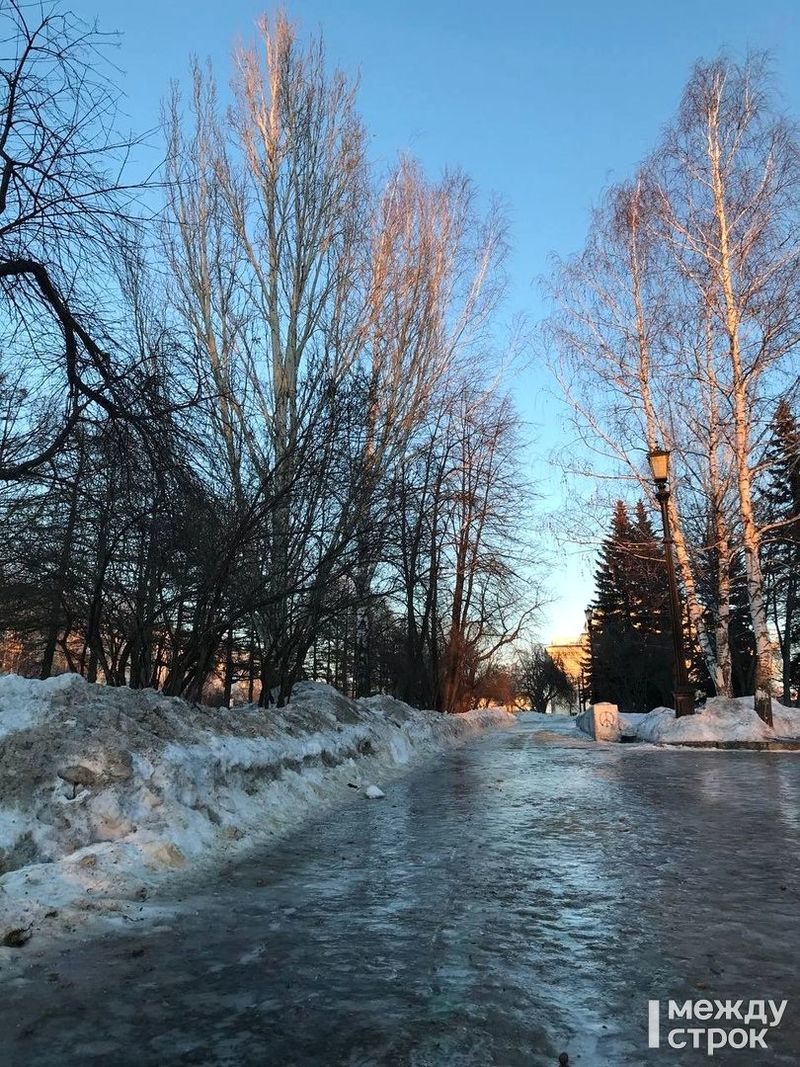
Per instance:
x=574, y=655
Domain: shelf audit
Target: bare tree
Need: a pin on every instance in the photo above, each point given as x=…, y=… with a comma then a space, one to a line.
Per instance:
x=728, y=184
x=433, y=283
x=63, y=204
x=621, y=338
x=309, y=342
x=678, y=326
x=468, y=585
x=327, y=317
x=542, y=678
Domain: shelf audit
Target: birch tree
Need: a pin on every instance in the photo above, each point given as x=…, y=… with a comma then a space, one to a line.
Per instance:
x=728, y=188
x=678, y=326
x=620, y=339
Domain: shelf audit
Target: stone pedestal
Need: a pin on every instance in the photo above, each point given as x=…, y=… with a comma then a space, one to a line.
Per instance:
x=601, y=721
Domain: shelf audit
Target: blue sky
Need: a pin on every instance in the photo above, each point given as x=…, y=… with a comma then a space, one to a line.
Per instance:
x=541, y=104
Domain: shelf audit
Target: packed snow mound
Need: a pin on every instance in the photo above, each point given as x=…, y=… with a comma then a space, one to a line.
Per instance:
x=26, y=701
x=104, y=791
x=721, y=719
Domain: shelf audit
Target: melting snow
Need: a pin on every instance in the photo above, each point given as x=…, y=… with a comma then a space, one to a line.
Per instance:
x=106, y=791
x=721, y=719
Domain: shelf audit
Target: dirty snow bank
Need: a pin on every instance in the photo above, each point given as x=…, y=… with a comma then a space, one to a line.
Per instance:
x=24, y=702
x=104, y=792
x=721, y=719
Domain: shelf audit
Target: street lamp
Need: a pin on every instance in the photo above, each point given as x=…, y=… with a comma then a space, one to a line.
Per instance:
x=684, y=693
x=589, y=618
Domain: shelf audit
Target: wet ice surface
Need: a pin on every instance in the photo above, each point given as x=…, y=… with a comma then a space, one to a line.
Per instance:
x=519, y=896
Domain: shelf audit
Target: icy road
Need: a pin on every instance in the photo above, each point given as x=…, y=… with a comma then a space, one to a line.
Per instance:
x=518, y=897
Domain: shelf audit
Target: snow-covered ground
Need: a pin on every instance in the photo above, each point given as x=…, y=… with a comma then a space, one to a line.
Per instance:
x=105, y=792
x=721, y=719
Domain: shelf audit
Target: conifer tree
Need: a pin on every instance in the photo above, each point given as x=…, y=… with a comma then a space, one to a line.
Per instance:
x=780, y=516
x=631, y=636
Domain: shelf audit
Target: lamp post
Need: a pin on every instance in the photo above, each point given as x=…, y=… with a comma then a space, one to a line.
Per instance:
x=592, y=690
x=684, y=693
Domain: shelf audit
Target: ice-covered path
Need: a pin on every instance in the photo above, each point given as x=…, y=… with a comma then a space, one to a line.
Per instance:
x=522, y=895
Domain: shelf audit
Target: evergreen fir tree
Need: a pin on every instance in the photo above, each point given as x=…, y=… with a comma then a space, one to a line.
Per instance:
x=779, y=508
x=743, y=642
x=631, y=635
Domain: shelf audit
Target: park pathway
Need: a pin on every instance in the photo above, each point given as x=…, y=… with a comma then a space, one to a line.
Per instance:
x=517, y=897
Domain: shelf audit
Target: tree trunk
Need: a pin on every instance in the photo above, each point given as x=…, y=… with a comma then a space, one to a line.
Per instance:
x=228, y=684
x=59, y=581
x=741, y=449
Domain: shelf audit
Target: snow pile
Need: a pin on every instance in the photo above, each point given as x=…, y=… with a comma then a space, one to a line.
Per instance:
x=105, y=791
x=721, y=719
x=785, y=721
x=24, y=702
x=629, y=720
